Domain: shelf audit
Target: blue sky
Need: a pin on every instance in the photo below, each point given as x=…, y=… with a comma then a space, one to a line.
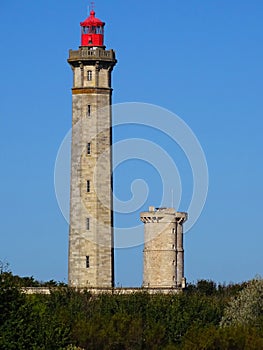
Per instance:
x=201, y=60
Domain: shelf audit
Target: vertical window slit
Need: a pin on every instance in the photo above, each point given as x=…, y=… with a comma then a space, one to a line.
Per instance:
x=88, y=148
x=87, y=223
x=87, y=262
x=88, y=185
x=89, y=110
x=89, y=75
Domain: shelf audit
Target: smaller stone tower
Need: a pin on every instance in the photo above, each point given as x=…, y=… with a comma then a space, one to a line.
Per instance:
x=163, y=248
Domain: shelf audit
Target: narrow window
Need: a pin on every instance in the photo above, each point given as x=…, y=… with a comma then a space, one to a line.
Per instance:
x=89, y=110
x=88, y=186
x=88, y=148
x=173, y=230
x=87, y=261
x=87, y=223
x=173, y=262
x=89, y=75
x=173, y=246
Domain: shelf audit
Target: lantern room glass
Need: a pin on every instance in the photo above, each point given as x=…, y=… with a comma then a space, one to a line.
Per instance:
x=93, y=30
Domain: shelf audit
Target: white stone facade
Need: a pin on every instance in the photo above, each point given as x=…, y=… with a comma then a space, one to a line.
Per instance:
x=91, y=234
x=163, y=248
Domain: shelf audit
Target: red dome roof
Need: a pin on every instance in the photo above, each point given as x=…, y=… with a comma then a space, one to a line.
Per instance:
x=92, y=21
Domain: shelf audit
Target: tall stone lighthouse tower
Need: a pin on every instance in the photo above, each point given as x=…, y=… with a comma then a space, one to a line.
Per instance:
x=91, y=261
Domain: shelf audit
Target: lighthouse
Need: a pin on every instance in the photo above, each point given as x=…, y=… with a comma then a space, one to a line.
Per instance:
x=91, y=254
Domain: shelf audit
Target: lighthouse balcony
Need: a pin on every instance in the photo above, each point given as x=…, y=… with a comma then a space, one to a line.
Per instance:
x=91, y=54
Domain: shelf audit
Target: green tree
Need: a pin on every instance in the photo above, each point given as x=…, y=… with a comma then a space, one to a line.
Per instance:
x=247, y=307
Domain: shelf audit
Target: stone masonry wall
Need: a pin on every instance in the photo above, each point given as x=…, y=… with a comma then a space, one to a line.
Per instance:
x=91, y=236
x=163, y=248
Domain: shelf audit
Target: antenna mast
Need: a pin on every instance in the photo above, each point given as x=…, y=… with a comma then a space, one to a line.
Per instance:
x=92, y=6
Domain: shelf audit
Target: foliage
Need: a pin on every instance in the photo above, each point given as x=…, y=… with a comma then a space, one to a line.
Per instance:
x=71, y=320
x=228, y=338
x=247, y=307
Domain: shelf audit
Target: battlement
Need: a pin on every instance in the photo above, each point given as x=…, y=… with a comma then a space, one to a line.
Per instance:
x=156, y=215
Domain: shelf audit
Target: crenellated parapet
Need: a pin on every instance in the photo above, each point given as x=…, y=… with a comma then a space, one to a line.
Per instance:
x=156, y=215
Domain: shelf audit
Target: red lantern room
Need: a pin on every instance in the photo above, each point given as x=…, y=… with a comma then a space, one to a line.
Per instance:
x=92, y=31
